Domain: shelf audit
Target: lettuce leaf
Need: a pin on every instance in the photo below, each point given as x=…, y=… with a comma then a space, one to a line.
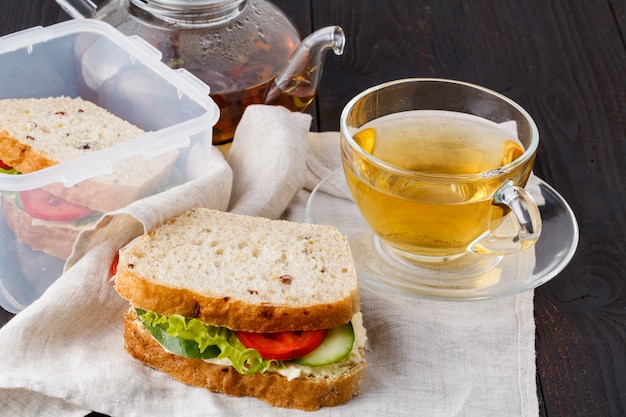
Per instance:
x=11, y=171
x=91, y=218
x=191, y=338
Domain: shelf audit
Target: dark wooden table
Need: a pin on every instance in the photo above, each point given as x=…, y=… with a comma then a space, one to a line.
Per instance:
x=565, y=62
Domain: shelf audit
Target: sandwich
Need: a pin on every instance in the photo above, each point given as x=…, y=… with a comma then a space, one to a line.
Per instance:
x=38, y=133
x=246, y=306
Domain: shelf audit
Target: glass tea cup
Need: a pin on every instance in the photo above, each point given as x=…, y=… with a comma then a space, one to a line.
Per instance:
x=437, y=169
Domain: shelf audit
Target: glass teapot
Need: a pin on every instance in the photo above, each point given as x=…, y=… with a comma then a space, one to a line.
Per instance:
x=247, y=51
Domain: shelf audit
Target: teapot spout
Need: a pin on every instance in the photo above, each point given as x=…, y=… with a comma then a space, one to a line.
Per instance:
x=296, y=85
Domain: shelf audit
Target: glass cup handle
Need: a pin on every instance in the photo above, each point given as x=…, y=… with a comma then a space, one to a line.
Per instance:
x=525, y=217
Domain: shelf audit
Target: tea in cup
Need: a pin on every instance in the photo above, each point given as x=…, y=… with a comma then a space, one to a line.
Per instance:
x=437, y=169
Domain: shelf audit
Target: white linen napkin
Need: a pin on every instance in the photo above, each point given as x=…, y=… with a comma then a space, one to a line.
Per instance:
x=64, y=354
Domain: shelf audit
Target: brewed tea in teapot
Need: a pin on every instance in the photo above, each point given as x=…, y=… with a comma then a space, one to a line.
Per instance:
x=247, y=51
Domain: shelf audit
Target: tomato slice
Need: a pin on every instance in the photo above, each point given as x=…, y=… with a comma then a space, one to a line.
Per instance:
x=283, y=346
x=4, y=166
x=43, y=205
x=114, y=265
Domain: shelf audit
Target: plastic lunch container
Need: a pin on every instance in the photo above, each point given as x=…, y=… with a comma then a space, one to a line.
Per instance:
x=124, y=75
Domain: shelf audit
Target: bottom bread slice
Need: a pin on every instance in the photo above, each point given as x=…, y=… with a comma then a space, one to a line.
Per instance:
x=306, y=393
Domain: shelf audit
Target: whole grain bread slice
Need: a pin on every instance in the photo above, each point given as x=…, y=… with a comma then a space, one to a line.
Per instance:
x=38, y=133
x=242, y=272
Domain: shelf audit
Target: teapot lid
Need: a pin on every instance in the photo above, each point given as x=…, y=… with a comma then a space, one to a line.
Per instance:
x=189, y=3
x=194, y=9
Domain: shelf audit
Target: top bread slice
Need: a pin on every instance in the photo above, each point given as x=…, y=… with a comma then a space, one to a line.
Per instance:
x=38, y=133
x=242, y=272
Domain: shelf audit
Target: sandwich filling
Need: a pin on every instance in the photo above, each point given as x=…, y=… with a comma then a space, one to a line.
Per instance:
x=6, y=169
x=341, y=347
x=48, y=210
x=45, y=207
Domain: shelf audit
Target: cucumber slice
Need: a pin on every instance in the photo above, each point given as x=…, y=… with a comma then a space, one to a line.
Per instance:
x=336, y=346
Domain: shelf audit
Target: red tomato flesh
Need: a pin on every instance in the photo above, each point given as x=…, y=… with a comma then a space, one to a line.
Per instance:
x=283, y=346
x=114, y=264
x=43, y=205
x=4, y=166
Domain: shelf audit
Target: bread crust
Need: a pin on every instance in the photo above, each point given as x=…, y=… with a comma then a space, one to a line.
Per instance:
x=307, y=394
x=231, y=313
x=21, y=156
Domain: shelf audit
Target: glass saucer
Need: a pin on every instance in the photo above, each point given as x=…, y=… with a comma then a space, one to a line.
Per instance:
x=506, y=276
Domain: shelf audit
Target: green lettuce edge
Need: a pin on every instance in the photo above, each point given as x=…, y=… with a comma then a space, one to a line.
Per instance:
x=193, y=339
x=11, y=171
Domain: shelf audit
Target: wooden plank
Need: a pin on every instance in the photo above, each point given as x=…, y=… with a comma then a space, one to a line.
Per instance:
x=299, y=11
x=21, y=14
x=5, y=316
x=619, y=11
x=581, y=315
x=564, y=62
